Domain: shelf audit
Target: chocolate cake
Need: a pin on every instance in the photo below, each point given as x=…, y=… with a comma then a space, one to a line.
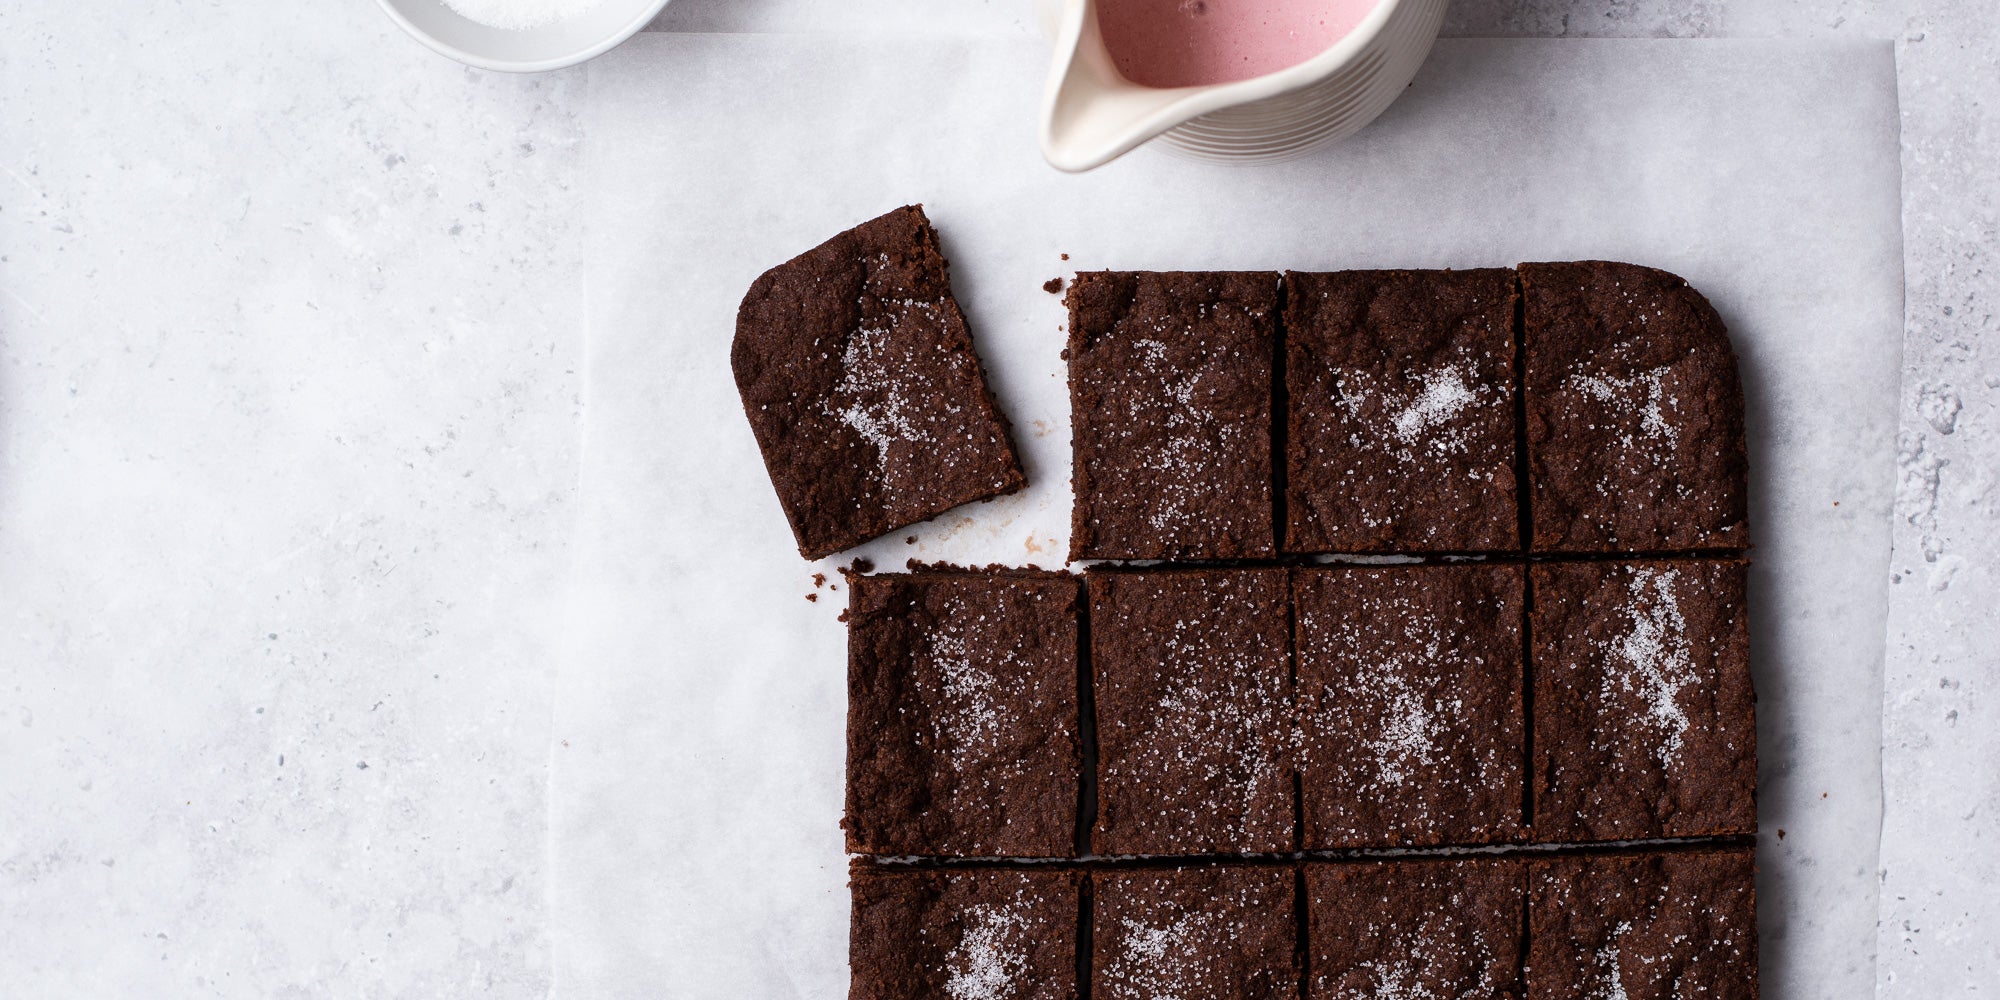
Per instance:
x=1194, y=711
x=1381, y=930
x=1170, y=405
x=1668, y=926
x=860, y=381
x=962, y=733
x=1410, y=690
x=1400, y=410
x=1645, y=720
x=962, y=934
x=1220, y=932
x=1635, y=413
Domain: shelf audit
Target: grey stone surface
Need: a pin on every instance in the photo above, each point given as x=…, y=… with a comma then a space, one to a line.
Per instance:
x=1940, y=926
x=287, y=440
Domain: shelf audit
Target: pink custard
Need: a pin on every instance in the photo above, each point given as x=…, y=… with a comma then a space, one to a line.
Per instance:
x=1186, y=43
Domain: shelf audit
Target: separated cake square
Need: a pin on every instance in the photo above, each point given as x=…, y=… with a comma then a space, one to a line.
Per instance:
x=858, y=374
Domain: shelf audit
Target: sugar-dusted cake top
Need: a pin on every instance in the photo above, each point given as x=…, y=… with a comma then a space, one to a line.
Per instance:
x=1405, y=930
x=1211, y=933
x=858, y=374
x=1410, y=696
x=1635, y=412
x=1664, y=926
x=1170, y=404
x=1195, y=724
x=962, y=714
x=1645, y=716
x=970, y=934
x=1400, y=400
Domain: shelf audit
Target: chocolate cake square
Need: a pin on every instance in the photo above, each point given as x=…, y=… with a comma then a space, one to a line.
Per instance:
x=1400, y=411
x=1668, y=926
x=1194, y=714
x=963, y=934
x=1635, y=413
x=962, y=736
x=1219, y=932
x=1409, y=684
x=858, y=374
x=1432, y=928
x=1170, y=412
x=1645, y=721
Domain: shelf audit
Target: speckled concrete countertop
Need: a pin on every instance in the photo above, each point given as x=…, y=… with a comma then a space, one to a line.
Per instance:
x=288, y=439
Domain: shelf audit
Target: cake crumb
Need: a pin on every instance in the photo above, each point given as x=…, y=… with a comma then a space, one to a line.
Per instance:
x=909, y=539
x=813, y=598
x=819, y=579
x=861, y=565
x=1052, y=286
x=1065, y=256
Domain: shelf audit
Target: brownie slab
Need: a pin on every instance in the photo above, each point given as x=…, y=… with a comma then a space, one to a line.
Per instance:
x=1433, y=928
x=1194, y=715
x=963, y=934
x=962, y=735
x=1409, y=684
x=860, y=381
x=1645, y=719
x=1400, y=411
x=1635, y=413
x=1170, y=412
x=1221, y=932
x=1665, y=926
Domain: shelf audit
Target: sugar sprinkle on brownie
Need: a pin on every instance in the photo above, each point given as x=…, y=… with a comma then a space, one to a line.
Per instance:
x=965, y=935
x=859, y=377
x=1406, y=930
x=1400, y=398
x=1219, y=932
x=1410, y=690
x=1645, y=718
x=1195, y=722
x=1170, y=399
x=1635, y=413
x=1665, y=926
x=962, y=735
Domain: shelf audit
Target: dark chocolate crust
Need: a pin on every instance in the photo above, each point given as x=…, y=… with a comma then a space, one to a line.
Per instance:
x=1194, y=711
x=1663, y=926
x=1409, y=684
x=1170, y=406
x=860, y=381
x=922, y=935
x=1431, y=928
x=962, y=736
x=1400, y=410
x=1220, y=932
x=1645, y=717
x=1635, y=413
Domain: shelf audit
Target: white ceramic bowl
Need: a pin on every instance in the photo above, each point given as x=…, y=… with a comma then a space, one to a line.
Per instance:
x=526, y=50
x=1091, y=114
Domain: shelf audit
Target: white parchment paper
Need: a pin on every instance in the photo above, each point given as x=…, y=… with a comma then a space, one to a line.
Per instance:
x=697, y=777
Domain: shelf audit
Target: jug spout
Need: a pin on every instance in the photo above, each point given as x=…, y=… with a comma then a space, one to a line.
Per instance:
x=1090, y=113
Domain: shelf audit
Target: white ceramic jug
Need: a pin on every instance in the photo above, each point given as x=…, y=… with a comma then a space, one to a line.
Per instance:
x=1092, y=115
